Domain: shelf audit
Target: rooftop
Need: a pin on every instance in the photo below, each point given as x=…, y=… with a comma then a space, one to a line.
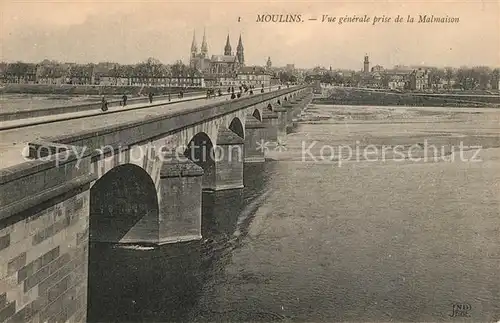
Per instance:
x=224, y=58
x=252, y=70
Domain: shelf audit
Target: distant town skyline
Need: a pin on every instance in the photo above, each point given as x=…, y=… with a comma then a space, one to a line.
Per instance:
x=130, y=32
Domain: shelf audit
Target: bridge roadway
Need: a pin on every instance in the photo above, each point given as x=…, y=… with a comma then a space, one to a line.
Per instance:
x=16, y=134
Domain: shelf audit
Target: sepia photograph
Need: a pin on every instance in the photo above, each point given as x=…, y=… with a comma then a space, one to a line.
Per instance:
x=249, y=161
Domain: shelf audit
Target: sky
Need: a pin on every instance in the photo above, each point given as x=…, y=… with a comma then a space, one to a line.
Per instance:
x=131, y=31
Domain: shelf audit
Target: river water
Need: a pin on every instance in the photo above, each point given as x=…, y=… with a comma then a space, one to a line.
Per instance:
x=347, y=238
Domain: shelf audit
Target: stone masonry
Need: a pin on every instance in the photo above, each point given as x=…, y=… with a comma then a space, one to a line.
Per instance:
x=43, y=273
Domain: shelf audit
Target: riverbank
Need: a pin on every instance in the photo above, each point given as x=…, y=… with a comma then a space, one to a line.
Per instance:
x=351, y=96
x=69, y=89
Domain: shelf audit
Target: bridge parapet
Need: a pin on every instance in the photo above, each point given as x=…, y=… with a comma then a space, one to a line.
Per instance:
x=142, y=130
x=57, y=169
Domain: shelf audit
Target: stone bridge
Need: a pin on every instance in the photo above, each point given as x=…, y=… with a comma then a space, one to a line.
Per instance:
x=140, y=182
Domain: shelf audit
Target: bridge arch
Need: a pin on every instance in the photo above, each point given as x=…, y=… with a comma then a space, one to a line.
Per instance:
x=200, y=150
x=236, y=126
x=120, y=199
x=269, y=106
x=257, y=115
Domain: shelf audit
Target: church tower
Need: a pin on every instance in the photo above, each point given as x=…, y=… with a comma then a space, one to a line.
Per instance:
x=204, y=46
x=239, y=52
x=194, y=48
x=227, y=48
x=366, y=65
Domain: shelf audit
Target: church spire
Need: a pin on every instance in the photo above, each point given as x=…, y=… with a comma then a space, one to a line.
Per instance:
x=204, y=46
x=239, y=52
x=194, y=48
x=227, y=48
x=240, y=44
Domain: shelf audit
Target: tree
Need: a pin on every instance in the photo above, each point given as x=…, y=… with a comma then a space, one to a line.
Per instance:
x=449, y=75
x=178, y=68
x=482, y=74
x=462, y=77
x=327, y=78
x=468, y=78
x=17, y=70
x=115, y=74
x=141, y=70
x=495, y=78
x=435, y=76
x=385, y=80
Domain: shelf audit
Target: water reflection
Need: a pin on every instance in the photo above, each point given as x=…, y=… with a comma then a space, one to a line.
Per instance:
x=138, y=284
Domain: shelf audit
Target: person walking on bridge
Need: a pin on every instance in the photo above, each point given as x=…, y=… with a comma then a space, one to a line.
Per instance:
x=124, y=99
x=150, y=97
x=104, y=104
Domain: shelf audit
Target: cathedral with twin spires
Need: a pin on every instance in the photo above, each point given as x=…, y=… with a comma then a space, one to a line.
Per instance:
x=216, y=64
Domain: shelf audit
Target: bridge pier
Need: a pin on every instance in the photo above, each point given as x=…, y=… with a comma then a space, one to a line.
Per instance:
x=282, y=123
x=255, y=136
x=297, y=107
x=291, y=107
x=229, y=157
x=270, y=121
x=180, y=201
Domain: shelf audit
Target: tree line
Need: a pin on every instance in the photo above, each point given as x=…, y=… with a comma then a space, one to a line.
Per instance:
x=149, y=68
x=466, y=78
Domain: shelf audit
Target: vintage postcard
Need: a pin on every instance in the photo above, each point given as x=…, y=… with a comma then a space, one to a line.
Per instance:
x=249, y=161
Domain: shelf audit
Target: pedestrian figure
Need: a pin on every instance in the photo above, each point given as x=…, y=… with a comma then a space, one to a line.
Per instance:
x=169, y=98
x=124, y=98
x=239, y=95
x=104, y=104
x=220, y=92
x=150, y=97
x=229, y=90
x=233, y=96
